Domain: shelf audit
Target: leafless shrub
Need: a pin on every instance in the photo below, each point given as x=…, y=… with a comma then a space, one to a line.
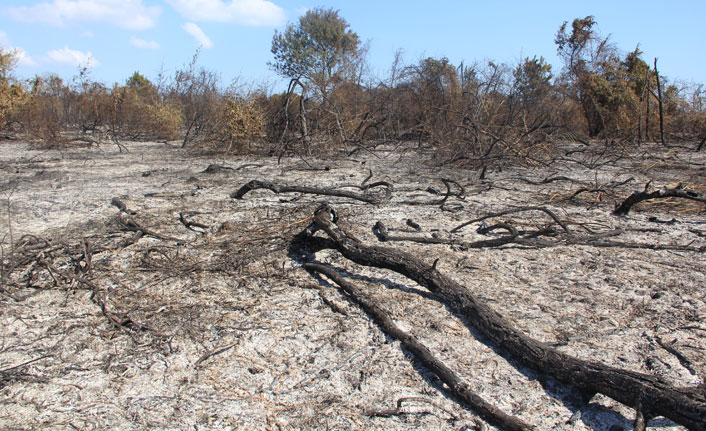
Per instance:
x=195, y=92
x=44, y=114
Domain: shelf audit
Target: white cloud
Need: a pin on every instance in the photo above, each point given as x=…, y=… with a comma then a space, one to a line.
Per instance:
x=143, y=44
x=23, y=59
x=246, y=12
x=71, y=57
x=20, y=54
x=198, y=34
x=4, y=40
x=131, y=14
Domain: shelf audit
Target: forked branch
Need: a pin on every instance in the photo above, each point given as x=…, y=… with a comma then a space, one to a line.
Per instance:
x=685, y=406
x=456, y=386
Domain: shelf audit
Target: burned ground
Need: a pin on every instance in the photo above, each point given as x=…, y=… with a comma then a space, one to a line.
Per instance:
x=189, y=309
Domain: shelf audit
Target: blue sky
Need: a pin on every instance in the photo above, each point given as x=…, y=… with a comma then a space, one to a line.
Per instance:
x=117, y=37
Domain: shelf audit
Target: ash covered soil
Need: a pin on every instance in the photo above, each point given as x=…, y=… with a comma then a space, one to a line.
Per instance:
x=189, y=310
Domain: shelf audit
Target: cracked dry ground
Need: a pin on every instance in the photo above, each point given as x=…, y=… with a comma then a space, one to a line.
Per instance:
x=189, y=310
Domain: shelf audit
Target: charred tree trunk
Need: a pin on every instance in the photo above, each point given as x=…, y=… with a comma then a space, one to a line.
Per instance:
x=661, y=109
x=285, y=110
x=650, y=395
x=187, y=135
x=456, y=386
x=303, y=121
x=647, y=114
x=701, y=144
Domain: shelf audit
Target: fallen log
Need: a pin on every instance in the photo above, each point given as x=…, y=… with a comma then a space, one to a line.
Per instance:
x=637, y=197
x=649, y=395
x=456, y=386
x=279, y=188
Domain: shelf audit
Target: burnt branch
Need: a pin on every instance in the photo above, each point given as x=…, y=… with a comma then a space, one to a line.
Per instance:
x=512, y=237
x=279, y=188
x=460, y=194
x=131, y=224
x=683, y=360
x=685, y=406
x=121, y=206
x=594, y=242
x=548, y=180
x=192, y=224
x=637, y=197
x=512, y=211
x=456, y=386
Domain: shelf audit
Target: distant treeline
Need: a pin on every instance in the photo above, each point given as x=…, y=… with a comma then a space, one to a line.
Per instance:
x=460, y=112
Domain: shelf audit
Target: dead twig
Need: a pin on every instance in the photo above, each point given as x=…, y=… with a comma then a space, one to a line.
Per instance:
x=460, y=194
x=192, y=224
x=132, y=225
x=683, y=360
x=456, y=386
x=214, y=352
x=513, y=236
x=397, y=410
x=548, y=180
x=23, y=364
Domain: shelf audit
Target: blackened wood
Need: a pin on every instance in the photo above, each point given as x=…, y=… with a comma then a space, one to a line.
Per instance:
x=460, y=194
x=456, y=386
x=121, y=206
x=512, y=211
x=637, y=197
x=383, y=235
x=283, y=188
x=685, y=406
x=659, y=102
x=701, y=144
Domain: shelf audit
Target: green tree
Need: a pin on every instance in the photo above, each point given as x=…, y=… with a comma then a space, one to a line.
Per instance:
x=436, y=76
x=532, y=79
x=316, y=49
x=574, y=47
x=316, y=54
x=137, y=111
x=11, y=92
x=593, y=72
x=642, y=82
x=144, y=88
x=436, y=95
x=639, y=74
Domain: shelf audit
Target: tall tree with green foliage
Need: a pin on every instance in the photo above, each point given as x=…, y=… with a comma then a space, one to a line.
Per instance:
x=579, y=49
x=11, y=92
x=532, y=79
x=596, y=77
x=315, y=50
x=143, y=86
x=580, y=46
x=314, y=54
x=642, y=81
